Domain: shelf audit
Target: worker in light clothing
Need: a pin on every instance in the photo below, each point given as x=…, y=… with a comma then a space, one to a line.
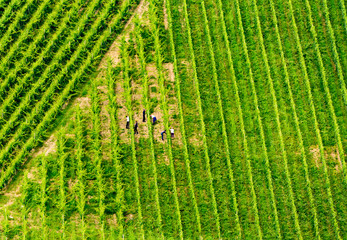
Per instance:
x=135, y=128
x=162, y=134
x=172, y=131
x=128, y=123
x=154, y=119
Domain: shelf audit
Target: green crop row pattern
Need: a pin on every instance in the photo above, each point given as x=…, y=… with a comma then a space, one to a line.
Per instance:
x=317, y=130
x=296, y=120
x=327, y=91
x=141, y=53
x=128, y=104
x=164, y=108
x=33, y=47
x=81, y=194
x=10, y=9
x=203, y=128
x=54, y=85
x=278, y=122
x=38, y=132
x=335, y=54
x=55, y=63
x=7, y=36
x=182, y=127
x=97, y=157
x=115, y=148
x=221, y=113
x=62, y=196
x=27, y=32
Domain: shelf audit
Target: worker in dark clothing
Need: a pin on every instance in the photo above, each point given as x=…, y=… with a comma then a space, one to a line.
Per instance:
x=128, y=123
x=162, y=135
x=154, y=119
x=135, y=128
x=144, y=115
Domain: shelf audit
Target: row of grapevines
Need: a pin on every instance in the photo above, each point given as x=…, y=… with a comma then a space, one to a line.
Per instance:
x=23, y=203
x=343, y=10
x=81, y=186
x=182, y=127
x=39, y=131
x=25, y=82
x=43, y=197
x=255, y=99
x=26, y=33
x=278, y=123
x=12, y=28
x=128, y=104
x=240, y=111
x=221, y=113
x=56, y=82
x=335, y=54
x=141, y=53
x=296, y=120
x=115, y=148
x=33, y=47
x=326, y=89
x=62, y=196
x=203, y=128
x=317, y=130
x=8, y=11
x=97, y=156
x=158, y=57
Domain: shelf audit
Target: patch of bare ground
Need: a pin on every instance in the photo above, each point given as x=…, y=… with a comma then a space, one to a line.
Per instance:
x=50, y=146
x=331, y=154
x=84, y=103
x=166, y=23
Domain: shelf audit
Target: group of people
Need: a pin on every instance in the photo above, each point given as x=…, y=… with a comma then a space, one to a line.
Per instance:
x=154, y=121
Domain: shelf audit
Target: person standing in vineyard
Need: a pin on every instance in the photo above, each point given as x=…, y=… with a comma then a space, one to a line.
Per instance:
x=135, y=128
x=162, y=134
x=172, y=131
x=128, y=123
x=144, y=115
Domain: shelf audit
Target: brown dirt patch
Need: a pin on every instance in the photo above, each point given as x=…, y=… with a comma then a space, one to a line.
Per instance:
x=331, y=155
x=166, y=22
x=50, y=146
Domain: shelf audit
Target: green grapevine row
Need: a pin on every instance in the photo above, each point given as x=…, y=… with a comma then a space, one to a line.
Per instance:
x=318, y=134
x=158, y=57
x=182, y=127
x=296, y=120
x=327, y=91
x=12, y=28
x=221, y=113
x=144, y=72
x=335, y=54
x=5, y=61
x=62, y=195
x=32, y=48
x=203, y=128
x=127, y=96
x=97, y=156
x=115, y=148
x=40, y=84
x=278, y=122
x=81, y=194
x=38, y=133
x=56, y=82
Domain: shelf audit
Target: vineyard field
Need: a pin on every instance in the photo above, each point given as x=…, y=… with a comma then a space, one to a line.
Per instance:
x=173, y=119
